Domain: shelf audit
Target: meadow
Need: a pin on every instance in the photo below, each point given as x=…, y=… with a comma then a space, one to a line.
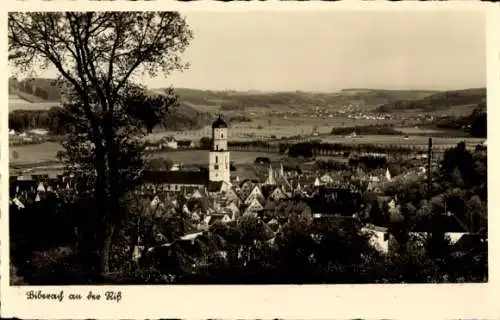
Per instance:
x=41, y=154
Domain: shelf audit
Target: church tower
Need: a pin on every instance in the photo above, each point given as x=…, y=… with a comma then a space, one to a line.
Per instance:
x=219, y=153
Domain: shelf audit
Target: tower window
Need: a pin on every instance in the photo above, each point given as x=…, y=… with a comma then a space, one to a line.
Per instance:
x=222, y=136
x=216, y=166
x=216, y=159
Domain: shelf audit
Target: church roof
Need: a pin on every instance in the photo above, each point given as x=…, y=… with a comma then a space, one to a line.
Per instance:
x=219, y=123
x=214, y=186
x=176, y=177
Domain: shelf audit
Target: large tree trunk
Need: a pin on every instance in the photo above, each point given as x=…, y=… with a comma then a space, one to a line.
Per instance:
x=106, y=249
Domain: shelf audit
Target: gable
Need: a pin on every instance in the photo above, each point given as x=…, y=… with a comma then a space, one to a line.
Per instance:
x=231, y=194
x=255, y=205
x=277, y=194
x=197, y=194
x=255, y=193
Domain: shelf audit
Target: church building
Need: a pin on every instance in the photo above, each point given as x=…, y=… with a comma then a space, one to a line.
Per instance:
x=216, y=178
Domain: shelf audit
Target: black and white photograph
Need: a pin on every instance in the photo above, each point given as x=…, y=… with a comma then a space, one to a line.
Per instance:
x=247, y=147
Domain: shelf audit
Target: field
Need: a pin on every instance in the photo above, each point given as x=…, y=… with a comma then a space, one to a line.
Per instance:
x=46, y=152
x=263, y=127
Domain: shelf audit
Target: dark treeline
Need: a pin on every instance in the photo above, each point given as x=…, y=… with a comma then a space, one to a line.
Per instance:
x=368, y=162
x=308, y=149
x=385, y=129
x=331, y=165
x=21, y=120
x=184, y=118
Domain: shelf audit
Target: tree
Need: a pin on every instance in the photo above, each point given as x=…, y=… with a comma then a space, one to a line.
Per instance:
x=98, y=55
x=205, y=143
x=161, y=164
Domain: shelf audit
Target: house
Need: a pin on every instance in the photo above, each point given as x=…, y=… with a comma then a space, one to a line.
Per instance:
x=255, y=194
x=247, y=185
x=232, y=197
x=317, y=182
x=155, y=202
x=39, y=132
x=234, y=209
x=254, y=206
x=201, y=206
x=379, y=238
x=326, y=179
x=215, y=187
x=277, y=194
x=198, y=194
x=217, y=218
x=172, y=144
x=185, y=144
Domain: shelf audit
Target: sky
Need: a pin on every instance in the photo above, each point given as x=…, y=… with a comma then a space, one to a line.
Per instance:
x=331, y=50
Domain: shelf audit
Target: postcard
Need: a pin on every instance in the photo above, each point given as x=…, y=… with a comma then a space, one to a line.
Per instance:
x=249, y=162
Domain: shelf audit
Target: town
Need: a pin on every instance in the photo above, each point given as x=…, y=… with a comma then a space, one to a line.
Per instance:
x=212, y=197
x=117, y=178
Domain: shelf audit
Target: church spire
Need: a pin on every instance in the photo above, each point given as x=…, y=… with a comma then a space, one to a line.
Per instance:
x=270, y=177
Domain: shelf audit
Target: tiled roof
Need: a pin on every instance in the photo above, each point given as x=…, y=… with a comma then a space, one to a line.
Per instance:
x=214, y=186
x=176, y=177
x=267, y=190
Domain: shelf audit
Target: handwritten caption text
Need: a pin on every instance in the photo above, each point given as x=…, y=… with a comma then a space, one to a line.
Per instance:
x=112, y=296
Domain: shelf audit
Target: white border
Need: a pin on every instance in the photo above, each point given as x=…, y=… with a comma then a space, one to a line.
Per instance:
x=252, y=302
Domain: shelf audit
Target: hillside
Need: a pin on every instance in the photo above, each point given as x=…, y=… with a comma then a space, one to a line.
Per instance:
x=40, y=90
x=232, y=100
x=441, y=101
x=35, y=89
x=30, y=102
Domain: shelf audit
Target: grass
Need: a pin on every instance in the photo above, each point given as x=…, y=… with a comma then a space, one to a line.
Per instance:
x=45, y=152
x=26, y=105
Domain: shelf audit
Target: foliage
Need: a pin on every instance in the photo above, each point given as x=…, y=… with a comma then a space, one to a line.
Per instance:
x=475, y=123
x=97, y=56
x=331, y=165
x=159, y=164
x=180, y=117
x=368, y=162
x=205, y=143
x=459, y=188
x=368, y=129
